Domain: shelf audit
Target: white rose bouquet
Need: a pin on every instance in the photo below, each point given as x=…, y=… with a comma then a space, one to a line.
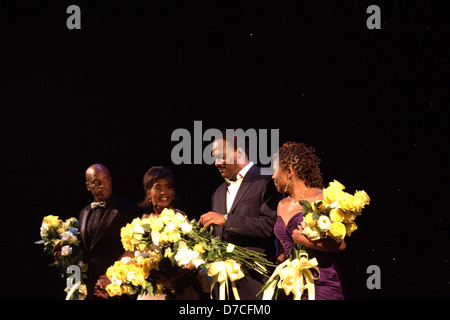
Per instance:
x=62, y=235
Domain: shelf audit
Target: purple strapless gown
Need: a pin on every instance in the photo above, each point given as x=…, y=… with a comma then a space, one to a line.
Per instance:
x=329, y=285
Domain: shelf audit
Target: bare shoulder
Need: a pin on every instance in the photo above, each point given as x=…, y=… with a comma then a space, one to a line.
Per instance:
x=282, y=206
x=315, y=194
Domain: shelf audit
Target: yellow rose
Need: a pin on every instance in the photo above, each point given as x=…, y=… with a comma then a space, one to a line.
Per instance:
x=167, y=212
x=72, y=222
x=363, y=196
x=330, y=195
x=52, y=221
x=174, y=237
x=126, y=234
x=113, y=290
x=146, y=265
x=336, y=185
x=337, y=215
x=136, y=221
x=124, y=289
x=349, y=216
x=337, y=231
x=199, y=248
x=179, y=219
x=350, y=227
x=166, y=215
x=347, y=202
x=139, y=279
x=120, y=271
x=156, y=224
x=310, y=222
x=358, y=204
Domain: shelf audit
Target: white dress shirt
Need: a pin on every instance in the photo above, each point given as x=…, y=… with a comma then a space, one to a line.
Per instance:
x=233, y=186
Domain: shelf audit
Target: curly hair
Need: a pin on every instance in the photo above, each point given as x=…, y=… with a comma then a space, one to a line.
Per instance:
x=303, y=161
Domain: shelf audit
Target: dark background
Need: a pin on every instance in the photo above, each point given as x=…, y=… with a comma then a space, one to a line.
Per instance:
x=373, y=103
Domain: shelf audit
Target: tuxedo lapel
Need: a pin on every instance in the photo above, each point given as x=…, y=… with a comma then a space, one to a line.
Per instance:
x=245, y=185
x=84, y=217
x=106, y=220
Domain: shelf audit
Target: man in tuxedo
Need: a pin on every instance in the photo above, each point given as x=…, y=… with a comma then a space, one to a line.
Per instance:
x=244, y=208
x=101, y=222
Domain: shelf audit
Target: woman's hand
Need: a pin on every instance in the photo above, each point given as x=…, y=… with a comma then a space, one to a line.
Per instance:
x=326, y=245
x=299, y=237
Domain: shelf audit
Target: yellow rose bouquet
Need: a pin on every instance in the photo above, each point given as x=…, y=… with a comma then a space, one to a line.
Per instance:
x=179, y=243
x=63, y=235
x=334, y=216
x=129, y=275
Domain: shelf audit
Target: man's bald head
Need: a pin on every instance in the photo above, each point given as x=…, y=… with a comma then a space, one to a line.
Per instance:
x=95, y=168
x=98, y=182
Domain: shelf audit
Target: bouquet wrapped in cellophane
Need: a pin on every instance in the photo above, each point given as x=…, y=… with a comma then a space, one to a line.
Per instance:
x=170, y=240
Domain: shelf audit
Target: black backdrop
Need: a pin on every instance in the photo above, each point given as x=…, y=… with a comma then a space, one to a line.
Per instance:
x=371, y=102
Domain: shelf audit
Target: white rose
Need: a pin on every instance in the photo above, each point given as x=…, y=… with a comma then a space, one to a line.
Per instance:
x=323, y=223
x=138, y=229
x=312, y=233
x=184, y=256
x=116, y=281
x=170, y=227
x=66, y=235
x=44, y=229
x=66, y=250
x=186, y=227
x=179, y=219
x=126, y=260
x=155, y=237
x=130, y=276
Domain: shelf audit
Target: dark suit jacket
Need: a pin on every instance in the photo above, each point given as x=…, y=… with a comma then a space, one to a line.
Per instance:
x=106, y=247
x=250, y=222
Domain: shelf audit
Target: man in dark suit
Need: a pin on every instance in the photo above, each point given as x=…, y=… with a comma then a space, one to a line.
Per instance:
x=101, y=222
x=243, y=208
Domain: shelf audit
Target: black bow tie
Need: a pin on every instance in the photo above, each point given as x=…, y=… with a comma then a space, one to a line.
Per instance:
x=101, y=204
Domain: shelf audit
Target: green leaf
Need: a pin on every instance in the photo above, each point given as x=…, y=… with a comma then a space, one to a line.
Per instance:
x=146, y=227
x=212, y=254
x=307, y=208
x=206, y=246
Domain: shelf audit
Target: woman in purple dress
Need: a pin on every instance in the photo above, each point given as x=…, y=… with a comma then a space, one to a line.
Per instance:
x=298, y=175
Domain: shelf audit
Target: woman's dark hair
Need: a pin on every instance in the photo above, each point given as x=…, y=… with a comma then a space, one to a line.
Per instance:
x=303, y=161
x=150, y=177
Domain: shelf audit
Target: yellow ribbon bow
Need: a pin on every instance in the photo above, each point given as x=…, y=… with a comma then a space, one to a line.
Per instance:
x=221, y=272
x=294, y=277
